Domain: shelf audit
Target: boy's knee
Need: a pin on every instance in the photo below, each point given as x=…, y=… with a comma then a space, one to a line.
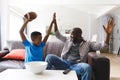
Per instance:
x=49, y=56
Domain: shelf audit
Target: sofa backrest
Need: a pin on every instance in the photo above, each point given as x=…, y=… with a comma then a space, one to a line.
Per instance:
x=14, y=45
x=51, y=47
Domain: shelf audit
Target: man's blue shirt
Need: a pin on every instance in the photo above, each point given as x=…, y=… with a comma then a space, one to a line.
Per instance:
x=33, y=52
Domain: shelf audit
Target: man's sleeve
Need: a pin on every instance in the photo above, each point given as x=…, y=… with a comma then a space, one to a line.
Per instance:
x=98, y=46
x=60, y=37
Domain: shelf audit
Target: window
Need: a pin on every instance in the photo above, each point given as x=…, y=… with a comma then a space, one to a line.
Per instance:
x=15, y=23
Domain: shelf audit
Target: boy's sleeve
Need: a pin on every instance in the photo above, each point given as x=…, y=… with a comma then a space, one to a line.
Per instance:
x=26, y=43
x=42, y=44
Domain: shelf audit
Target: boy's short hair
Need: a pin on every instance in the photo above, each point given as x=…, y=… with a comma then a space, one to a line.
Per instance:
x=34, y=35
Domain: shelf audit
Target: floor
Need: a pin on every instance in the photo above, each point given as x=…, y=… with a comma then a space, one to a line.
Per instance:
x=114, y=65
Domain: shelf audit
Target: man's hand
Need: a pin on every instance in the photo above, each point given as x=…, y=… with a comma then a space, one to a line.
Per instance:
x=109, y=28
x=55, y=22
x=54, y=17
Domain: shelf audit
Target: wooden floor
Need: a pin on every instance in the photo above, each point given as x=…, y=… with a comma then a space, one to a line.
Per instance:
x=114, y=65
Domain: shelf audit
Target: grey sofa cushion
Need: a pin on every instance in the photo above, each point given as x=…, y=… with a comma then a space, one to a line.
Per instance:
x=14, y=45
x=11, y=64
x=51, y=47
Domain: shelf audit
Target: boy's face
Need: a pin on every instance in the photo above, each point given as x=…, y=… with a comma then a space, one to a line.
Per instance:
x=37, y=40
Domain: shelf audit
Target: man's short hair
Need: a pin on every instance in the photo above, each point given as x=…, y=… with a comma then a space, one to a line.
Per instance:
x=34, y=35
x=78, y=30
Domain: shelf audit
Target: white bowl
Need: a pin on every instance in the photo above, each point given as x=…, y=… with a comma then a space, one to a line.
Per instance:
x=36, y=66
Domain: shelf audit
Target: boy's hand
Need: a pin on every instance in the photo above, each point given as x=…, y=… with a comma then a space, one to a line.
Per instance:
x=50, y=28
x=28, y=18
x=54, y=17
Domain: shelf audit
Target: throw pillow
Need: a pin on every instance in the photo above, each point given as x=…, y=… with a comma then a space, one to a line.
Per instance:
x=17, y=54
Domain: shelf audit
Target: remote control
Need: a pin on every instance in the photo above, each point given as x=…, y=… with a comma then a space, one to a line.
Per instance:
x=66, y=71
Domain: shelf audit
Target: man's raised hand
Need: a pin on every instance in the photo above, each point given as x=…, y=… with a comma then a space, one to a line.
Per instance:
x=110, y=25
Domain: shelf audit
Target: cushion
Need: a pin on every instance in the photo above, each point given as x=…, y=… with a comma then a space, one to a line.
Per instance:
x=17, y=54
x=14, y=45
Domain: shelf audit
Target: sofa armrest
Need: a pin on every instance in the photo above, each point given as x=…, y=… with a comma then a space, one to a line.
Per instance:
x=4, y=52
x=100, y=66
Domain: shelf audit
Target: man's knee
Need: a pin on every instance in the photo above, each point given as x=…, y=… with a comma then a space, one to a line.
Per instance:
x=86, y=66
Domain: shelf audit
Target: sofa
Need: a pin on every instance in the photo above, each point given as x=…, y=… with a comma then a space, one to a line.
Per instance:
x=100, y=64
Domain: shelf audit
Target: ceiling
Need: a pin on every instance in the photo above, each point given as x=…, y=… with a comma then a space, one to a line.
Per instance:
x=96, y=7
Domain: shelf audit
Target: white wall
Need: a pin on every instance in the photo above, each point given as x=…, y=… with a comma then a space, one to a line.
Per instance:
x=67, y=18
x=94, y=29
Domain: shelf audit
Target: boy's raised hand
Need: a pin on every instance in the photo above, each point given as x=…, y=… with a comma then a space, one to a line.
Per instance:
x=54, y=17
x=27, y=18
x=30, y=16
x=49, y=29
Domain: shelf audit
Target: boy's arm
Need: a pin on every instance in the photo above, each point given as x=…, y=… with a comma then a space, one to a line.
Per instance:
x=23, y=37
x=48, y=32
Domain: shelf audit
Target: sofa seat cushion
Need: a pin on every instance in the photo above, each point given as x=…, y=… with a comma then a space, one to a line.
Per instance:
x=11, y=64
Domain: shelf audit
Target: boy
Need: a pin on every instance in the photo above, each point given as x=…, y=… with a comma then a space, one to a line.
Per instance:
x=34, y=50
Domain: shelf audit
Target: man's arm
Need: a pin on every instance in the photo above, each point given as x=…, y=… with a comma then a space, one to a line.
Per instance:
x=23, y=37
x=57, y=33
x=108, y=29
x=49, y=30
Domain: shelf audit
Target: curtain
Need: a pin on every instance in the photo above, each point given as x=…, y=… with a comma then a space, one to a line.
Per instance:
x=0, y=31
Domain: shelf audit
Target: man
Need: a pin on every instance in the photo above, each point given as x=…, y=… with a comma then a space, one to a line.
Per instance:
x=74, y=53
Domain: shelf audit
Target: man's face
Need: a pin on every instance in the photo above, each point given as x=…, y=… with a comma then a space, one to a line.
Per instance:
x=74, y=36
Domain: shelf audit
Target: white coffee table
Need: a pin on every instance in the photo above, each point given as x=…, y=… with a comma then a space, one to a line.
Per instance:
x=22, y=74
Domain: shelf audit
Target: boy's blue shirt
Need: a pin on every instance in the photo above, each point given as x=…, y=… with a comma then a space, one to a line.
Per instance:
x=33, y=53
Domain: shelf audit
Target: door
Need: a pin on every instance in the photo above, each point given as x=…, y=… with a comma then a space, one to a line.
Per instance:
x=116, y=34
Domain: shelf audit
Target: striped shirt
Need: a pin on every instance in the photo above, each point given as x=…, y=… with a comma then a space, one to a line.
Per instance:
x=84, y=47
